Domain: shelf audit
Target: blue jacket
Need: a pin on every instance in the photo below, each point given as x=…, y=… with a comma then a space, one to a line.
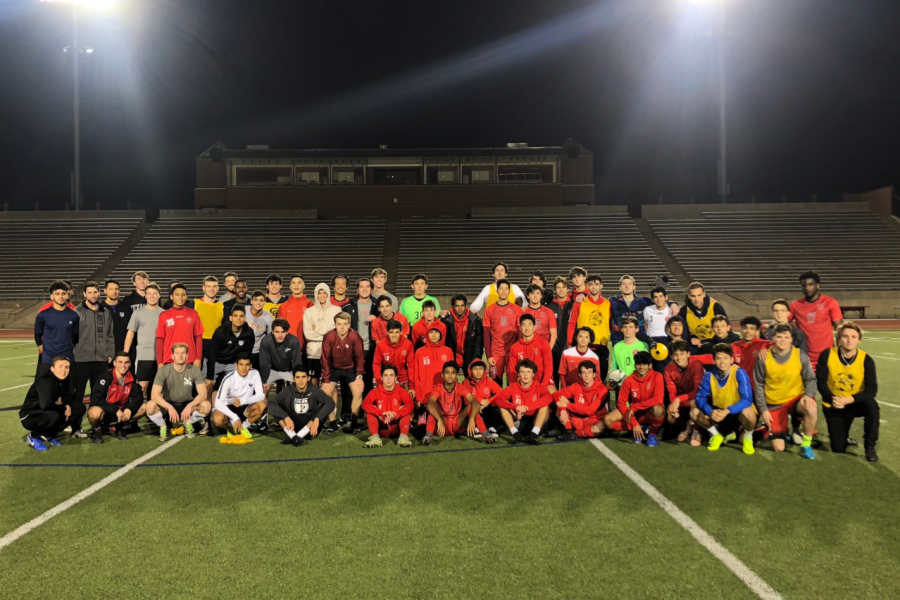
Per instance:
x=704, y=394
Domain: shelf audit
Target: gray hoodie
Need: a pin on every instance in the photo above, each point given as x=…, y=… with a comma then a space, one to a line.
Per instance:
x=318, y=320
x=96, y=341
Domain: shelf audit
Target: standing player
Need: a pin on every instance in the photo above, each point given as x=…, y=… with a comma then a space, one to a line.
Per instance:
x=142, y=336
x=573, y=357
x=501, y=327
x=179, y=325
x=429, y=318
x=362, y=313
x=562, y=307
x=623, y=353
x=318, y=320
x=594, y=313
x=172, y=396
x=340, y=283
x=343, y=363
x=725, y=402
x=210, y=311
x=388, y=411
x=260, y=321
x=657, y=316
x=544, y=318
x=240, y=400
x=536, y=349
x=239, y=297
x=698, y=313
x=395, y=350
x=582, y=406
x=116, y=400
x=523, y=400
x=48, y=403
x=781, y=313
x=294, y=308
x=626, y=304
x=578, y=277
x=452, y=409
x=274, y=297
x=682, y=377
x=385, y=315
x=785, y=385
x=93, y=353
x=279, y=357
x=848, y=384
x=816, y=315
x=640, y=401
x=411, y=307
x=229, y=280
x=379, y=278
x=490, y=294
x=300, y=408
x=56, y=329
x=465, y=331
x=118, y=310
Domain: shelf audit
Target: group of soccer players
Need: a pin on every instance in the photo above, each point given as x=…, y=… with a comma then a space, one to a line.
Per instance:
x=558, y=360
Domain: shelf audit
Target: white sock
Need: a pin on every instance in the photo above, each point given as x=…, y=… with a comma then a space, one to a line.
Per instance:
x=289, y=432
x=513, y=430
x=245, y=423
x=748, y=435
x=536, y=430
x=713, y=431
x=303, y=432
x=196, y=417
x=157, y=419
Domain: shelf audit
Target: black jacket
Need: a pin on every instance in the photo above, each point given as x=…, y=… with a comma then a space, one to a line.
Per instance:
x=474, y=346
x=45, y=391
x=707, y=346
x=121, y=314
x=225, y=347
x=229, y=304
x=133, y=302
x=100, y=391
x=291, y=403
x=352, y=309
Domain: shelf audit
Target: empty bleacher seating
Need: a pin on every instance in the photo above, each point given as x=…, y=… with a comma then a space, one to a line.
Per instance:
x=746, y=251
x=457, y=254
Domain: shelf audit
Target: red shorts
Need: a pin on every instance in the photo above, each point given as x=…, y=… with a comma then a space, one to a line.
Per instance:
x=780, y=416
x=642, y=416
x=451, y=425
x=582, y=425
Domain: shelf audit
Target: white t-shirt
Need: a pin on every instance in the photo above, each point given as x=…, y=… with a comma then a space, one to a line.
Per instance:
x=656, y=320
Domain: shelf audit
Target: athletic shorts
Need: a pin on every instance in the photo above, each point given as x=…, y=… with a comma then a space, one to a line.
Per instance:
x=315, y=367
x=110, y=413
x=730, y=424
x=780, y=416
x=451, y=425
x=179, y=408
x=348, y=376
x=276, y=376
x=145, y=370
x=239, y=411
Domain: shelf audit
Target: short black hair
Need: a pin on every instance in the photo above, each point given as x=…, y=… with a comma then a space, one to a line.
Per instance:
x=526, y=363
x=459, y=297
x=257, y=294
x=502, y=282
x=589, y=330
x=394, y=325
x=238, y=308
x=527, y=317
x=782, y=328
x=273, y=277
x=540, y=275
x=242, y=356
x=593, y=277
x=810, y=275
x=419, y=276
x=718, y=318
x=586, y=364
x=388, y=367
x=500, y=264
x=532, y=287
x=176, y=286
x=122, y=353
x=384, y=298
x=428, y=304
x=283, y=323
x=300, y=369
x=722, y=349
x=751, y=320
x=109, y=281
x=450, y=364
x=679, y=346
x=783, y=302
x=643, y=358
x=658, y=290
x=59, y=284
x=336, y=277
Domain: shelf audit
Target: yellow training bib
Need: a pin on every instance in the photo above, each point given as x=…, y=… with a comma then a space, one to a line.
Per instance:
x=783, y=382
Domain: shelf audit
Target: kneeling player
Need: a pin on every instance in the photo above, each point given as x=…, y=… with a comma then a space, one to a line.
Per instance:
x=388, y=410
x=300, y=408
x=523, y=400
x=582, y=406
x=116, y=400
x=172, y=397
x=639, y=402
x=725, y=401
x=240, y=399
x=785, y=384
x=452, y=408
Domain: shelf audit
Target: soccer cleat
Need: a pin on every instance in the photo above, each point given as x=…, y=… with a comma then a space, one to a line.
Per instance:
x=35, y=443
x=730, y=437
x=638, y=441
x=428, y=439
x=532, y=438
x=518, y=438
x=374, y=441
x=119, y=432
x=54, y=442
x=871, y=455
x=79, y=435
x=807, y=452
x=652, y=441
x=287, y=440
x=403, y=441
x=567, y=436
x=163, y=433
x=715, y=442
x=332, y=427
x=189, y=430
x=97, y=436
x=748, y=446
x=356, y=428
x=489, y=437
x=228, y=434
x=245, y=432
x=133, y=427
x=297, y=441
x=851, y=441
x=205, y=429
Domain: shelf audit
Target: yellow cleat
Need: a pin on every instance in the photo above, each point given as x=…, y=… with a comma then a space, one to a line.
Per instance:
x=748, y=446
x=715, y=442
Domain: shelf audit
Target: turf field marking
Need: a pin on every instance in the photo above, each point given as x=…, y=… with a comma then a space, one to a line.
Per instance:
x=15, y=387
x=885, y=357
x=36, y=522
x=17, y=357
x=889, y=404
x=753, y=581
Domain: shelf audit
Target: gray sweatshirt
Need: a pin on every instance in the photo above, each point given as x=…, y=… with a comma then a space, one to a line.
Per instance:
x=96, y=341
x=810, y=385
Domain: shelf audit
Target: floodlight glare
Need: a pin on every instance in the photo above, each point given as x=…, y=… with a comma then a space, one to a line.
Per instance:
x=88, y=4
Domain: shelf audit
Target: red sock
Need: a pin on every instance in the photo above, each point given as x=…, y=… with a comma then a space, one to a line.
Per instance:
x=479, y=422
x=656, y=424
x=404, y=424
x=431, y=424
x=373, y=423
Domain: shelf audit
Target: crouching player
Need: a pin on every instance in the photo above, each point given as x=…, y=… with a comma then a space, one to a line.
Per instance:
x=48, y=404
x=639, y=402
x=172, y=398
x=785, y=384
x=523, y=400
x=240, y=399
x=388, y=410
x=300, y=408
x=582, y=406
x=116, y=400
x=725, y=401
x=484, y=389
x=452, y=408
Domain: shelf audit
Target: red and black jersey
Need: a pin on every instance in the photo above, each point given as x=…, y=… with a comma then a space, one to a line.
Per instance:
x=453, y=402
x=108, y=391
x=682, y=384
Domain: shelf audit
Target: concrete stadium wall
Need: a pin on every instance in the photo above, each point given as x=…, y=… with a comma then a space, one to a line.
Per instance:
x=72, y=215
x=215, y=213
x=671, y=212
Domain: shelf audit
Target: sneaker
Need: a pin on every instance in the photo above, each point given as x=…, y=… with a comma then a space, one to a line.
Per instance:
x=245, y=432
x=532, y=438
x=97, y=436
x=68, y=429
x=428, y=439
x=35, y=443
x=189, y=430
x=403, y=441
x=375, y=441
x=260, y=426
x=205, y=429
x=807, y=452
x=297, y=441
x=715, y=441
x=79, y=435
x=163, y=433
x=871, y=455
x=287, y=440
x=332, y=427
x=638, y=441
x=748, y=446
x=568, y=436
x=489, y=437
x=852, y=442
x=730, y=437
x=696, y=438
x=54, y=442
x=652, y=442
x=518, y=438
x=119, y=432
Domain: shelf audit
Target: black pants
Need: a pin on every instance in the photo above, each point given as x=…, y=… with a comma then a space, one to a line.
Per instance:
x=840, y=419
x=603, y=354
x=369, y=369
x=47, y=423
x=84, y=373
x=557, y=355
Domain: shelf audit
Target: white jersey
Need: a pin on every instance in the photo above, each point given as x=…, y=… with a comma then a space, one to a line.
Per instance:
x=249, y=390
x=481, y=300
x=656, y=320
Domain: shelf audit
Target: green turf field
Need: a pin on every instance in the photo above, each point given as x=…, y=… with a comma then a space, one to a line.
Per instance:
x=458, y=520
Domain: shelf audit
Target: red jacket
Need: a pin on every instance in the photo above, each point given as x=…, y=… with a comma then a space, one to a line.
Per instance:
x=538, y=350
x=344, y=354
x=485, y=388
x=584, y=402
x=292, y=310
x=380, y=401
x=401, y=356
x=378, y=328
x=420, y=332
x=533, y=398
x=427, y=366
x=450, y=404
x=681, y=384
x=640, y=393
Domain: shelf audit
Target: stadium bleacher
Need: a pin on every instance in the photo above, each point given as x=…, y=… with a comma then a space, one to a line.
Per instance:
x=36, y=251
x=457, y=254
x=190, y=248
x=766, y=251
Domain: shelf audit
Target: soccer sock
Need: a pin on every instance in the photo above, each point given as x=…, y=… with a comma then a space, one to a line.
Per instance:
x=245, y=423
x=748, y=435
x=713, y=431
x=303, y=432
x=196, y=417
x=157, y=419
x=513, y=430
x=807, y=441
x=536, y=430
x=289, y=432
x=479, y=423
x=656, y=424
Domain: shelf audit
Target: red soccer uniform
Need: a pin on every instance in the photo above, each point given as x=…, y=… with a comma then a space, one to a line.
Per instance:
x=420, y=331
x=682, y=384
x=378, y=328
x=380, y=401
x=483, y=389
x=538, y=350
x=816, y=319
x=639, y=394
x=585, y=407
x=451, y=404
x=428, y=363
x=533, y=398
x=501, y=328
x=179, y=326
x=745, y=354
x=544, y=321
x=343, y=302
x=292, y=311
x=568, y=364
x=401, y=356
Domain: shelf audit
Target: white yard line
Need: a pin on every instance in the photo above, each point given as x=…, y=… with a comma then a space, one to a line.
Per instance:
x=753, y=581
x=17, y=357
x=884, y=357
x=15, y=387
x=888, y=404
x=12, y=536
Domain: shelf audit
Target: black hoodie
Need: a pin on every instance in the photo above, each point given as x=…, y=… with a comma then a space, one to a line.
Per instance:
x=226, y=345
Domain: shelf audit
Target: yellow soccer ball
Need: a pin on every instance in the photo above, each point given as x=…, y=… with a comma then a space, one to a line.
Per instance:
x=659, y=352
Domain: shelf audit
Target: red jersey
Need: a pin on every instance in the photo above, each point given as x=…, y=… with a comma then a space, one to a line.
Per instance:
x=544, y=321
x=451, y=403
x=538, y=350
x=292, y=310
x=682, y=384
x=745, y=354
x=380, y=401
x=568, y=364
x=401, y=356
x=420, y=331
x=178, y=326
x=533, y=397
x=816, y=319
x=639, y=393
x=343, y=302
x=378, y=328
x=584, y=402
x=501, y=328
x=427, y=365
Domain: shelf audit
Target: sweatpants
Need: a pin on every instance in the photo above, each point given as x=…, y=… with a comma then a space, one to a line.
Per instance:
x=840, y=419
x=47, y=423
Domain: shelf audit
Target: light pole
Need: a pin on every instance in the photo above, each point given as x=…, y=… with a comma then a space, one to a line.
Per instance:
x=723, y=122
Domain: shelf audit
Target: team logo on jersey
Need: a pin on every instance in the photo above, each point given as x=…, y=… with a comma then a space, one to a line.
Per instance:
x=240, y=342
x=122, y=314
x=301, y=406
x=170, y=322
x=595, y=319
x=811, y=317
x=102, y=382
x=188, y=381
x=845, y=382
x=426, y=360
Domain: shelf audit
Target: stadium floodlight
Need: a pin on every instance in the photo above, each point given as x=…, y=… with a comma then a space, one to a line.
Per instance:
x=88, y=4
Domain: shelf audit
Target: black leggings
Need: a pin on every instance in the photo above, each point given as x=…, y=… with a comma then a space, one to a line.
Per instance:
x=46, y=423
x=840, y=419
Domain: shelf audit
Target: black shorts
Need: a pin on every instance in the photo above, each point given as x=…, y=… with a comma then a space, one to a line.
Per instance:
x=146, y=370
x=729, y=424
x=179, y=408
x=111, y=412
x=239, y=411
x=343, y=376
x=315, y=367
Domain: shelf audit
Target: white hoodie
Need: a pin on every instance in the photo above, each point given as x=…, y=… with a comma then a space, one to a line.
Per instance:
x=318, y=320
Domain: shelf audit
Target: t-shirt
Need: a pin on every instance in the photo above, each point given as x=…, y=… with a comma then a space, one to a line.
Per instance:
x=411, y=308
x=178, y=388
x=143, y=323
x=210, y=316
x=656, y=320
x=815, y=320
x=544, y=320
x=501, y=327
x=260, y=325
x=364, y=309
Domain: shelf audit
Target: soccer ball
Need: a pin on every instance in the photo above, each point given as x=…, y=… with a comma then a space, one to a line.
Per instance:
x=615, y=377
x=659, y=352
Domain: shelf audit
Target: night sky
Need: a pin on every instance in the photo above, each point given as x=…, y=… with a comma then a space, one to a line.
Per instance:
x=813, y=90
